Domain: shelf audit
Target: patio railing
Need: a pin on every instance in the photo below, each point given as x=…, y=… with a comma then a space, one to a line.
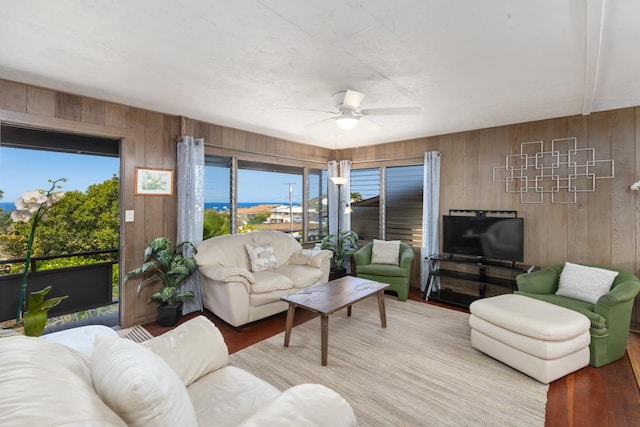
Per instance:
x=88, y=286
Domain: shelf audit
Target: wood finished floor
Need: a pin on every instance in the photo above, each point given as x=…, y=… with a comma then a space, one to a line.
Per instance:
x=598, y=397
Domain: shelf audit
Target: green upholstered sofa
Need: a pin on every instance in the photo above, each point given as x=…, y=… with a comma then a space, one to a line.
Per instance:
x=397, y=276
x=610, y=316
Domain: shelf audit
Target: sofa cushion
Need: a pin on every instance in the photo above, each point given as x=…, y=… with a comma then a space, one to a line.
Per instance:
x=312, y=257
x=301, y=276
x=267, y=281
x=229, y=395
x=81, y=338
x=312, y=404
x=585, y=283
x=48, y=384
x=262, y=257
x=181, y=348
x=138, y=385
x=383, y=270
x=385, y=252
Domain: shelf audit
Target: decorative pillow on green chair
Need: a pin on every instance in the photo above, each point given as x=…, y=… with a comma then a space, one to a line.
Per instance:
x=385, y=252
x=585, y=283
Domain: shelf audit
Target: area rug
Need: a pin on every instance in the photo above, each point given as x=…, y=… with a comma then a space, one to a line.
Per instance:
x=419, y=371
x=135, y=333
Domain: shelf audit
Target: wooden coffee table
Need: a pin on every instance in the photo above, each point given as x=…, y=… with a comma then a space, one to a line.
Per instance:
x=330, y=297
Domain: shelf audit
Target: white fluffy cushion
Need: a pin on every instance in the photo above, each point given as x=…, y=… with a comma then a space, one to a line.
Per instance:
x=262, y=257
x=48, y=384
x=138, y=385
x=585, y=283
x=182, y=349
x=384, y=252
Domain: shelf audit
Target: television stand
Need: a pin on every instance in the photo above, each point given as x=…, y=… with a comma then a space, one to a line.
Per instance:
x=475, y=274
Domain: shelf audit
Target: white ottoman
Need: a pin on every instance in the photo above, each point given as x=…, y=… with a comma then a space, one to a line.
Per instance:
x=540, y=339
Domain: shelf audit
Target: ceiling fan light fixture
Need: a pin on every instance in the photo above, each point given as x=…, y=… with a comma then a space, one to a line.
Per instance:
x=347, y=120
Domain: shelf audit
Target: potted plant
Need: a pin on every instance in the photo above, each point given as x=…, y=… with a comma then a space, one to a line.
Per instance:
x=33, y=309
x=166, y=264
x=343, y=246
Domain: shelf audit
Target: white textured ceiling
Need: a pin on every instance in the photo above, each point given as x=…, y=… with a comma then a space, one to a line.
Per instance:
x=468, y=64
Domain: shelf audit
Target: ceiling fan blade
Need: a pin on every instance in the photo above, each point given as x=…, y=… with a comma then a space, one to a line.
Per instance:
x=352, y=100
x=308, y=109
x=375, y=125
x=320, y=122
x=390, y=111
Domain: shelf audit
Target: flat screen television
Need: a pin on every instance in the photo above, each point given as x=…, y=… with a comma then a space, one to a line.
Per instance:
x=493, y=238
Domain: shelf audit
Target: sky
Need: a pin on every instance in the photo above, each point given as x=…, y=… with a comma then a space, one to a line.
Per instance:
x=22, y=170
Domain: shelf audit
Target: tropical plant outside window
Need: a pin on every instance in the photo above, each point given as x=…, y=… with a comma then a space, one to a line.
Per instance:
x=82, y=221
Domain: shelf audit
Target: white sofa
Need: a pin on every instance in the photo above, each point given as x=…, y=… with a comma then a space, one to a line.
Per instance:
x=180, y=378
x=238, y=294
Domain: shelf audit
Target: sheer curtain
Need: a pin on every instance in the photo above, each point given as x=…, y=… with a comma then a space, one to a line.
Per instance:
x=191, y=209
x=430, y=214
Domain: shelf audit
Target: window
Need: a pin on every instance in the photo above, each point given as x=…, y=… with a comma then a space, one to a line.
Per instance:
x=217, y=196
x=317, y=215
x=403, y=204
x=267, y=197
x=365, y=203
x=78, y=248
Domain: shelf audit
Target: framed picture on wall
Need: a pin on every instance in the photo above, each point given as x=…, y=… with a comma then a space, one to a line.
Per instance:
x=153, y=182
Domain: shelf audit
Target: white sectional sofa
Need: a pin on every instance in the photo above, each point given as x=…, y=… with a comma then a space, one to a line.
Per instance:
x=181, y=378
x=233, y=288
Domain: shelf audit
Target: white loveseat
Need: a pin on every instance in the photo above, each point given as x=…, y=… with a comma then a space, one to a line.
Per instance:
x=234, y=291
x=180, y=378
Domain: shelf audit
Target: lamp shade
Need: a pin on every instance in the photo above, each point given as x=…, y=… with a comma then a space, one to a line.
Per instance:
x=347, y=120
x=338, y=180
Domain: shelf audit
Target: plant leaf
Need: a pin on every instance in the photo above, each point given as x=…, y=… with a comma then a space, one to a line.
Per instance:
x=34, y=323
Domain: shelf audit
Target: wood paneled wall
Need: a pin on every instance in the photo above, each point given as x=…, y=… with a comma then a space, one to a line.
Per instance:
x=224, y=141
x=148, y=140
x=603, y=227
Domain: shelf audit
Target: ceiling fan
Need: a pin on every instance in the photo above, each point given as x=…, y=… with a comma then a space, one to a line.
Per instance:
x=348, y=112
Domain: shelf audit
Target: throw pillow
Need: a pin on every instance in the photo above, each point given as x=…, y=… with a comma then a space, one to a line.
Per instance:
x=585, y=283
x=138, y=385
x=384, y=252
x=262, y=257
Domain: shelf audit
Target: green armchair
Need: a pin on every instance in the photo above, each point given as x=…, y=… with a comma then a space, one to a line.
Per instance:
x=610, y=316
x=397, y=276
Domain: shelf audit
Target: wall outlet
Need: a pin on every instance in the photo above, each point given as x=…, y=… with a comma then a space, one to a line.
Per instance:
x=129, y=216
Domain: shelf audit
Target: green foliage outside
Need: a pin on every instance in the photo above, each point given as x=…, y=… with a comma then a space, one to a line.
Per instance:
x=79, y=222
x=215, y=224
x=259, y=218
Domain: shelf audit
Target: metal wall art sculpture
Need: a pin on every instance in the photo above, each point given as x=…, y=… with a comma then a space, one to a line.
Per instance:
x=558, y=169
